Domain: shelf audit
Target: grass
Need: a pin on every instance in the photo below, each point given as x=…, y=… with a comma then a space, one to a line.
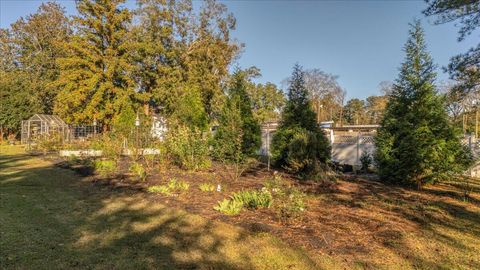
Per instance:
x=53, y=219
x=50, y=218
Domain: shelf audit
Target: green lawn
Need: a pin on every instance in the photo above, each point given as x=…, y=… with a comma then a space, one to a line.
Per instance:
x=52, y=219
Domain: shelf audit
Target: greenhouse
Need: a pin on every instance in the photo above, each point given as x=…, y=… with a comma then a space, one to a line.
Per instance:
x=41, y=126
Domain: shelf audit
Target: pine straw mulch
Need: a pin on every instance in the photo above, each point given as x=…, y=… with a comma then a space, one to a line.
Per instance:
x=352, y=219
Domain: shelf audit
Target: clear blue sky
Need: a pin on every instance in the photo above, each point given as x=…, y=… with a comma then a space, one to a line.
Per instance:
x=360, y=41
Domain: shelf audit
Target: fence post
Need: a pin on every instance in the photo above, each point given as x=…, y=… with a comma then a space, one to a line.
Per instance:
x=358, y=148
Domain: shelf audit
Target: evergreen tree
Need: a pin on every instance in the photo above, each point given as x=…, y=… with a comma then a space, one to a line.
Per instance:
x=299, y=145
x=96, y=75
x=416, y=144
x=240, y=98
x=298, y=110
x=159, y=44
x=228, y=140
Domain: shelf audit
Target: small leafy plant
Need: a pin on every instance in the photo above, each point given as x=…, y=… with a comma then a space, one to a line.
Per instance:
x=229, y=207
x=207, y=187
x=253, y=199
x=159, y=189
x=273, y=184
x=366, y=161
x=290, y=203
x=182, y=186
x=105, y=167
x=138, y=170
x=173, y=186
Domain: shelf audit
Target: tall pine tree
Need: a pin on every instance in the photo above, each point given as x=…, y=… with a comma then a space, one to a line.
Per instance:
x=299, y=145
x=96, y=76
x=416, y=144
x=298, y=110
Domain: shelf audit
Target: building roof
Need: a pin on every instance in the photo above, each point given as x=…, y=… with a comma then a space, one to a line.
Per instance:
x=52, y=120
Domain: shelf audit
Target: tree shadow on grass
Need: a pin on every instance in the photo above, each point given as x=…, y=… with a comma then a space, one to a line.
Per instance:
x=54, y=219
x=442, y=221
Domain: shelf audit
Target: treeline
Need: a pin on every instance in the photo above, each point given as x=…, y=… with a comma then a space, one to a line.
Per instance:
x=110, y=63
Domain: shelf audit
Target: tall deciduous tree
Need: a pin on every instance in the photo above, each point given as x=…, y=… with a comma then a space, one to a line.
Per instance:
x=28, y=67
x=267, y=101
x=96, y=76
x=181, y=56
x=210, y=52
x=375, y=108
x=416, y=143
x=326, y=94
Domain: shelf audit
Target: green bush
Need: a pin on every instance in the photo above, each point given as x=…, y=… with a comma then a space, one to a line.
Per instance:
x=366, y=161
x=253, y=199
x=189, y=148
x=105, y=167
x=300, y=151
x=207, y=187
x=229, y=207
x=138, y=170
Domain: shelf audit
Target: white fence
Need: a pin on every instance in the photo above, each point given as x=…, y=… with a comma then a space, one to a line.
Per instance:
x=347, y=148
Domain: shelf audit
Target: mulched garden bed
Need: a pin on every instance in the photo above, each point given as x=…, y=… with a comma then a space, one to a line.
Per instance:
x=351, y=218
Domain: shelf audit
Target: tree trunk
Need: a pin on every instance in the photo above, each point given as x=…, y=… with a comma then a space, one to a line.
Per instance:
x=146, y=108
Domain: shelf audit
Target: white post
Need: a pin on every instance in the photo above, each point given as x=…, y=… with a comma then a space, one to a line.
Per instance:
x=268, y=146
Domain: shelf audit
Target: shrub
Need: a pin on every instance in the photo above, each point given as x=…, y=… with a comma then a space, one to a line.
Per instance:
x=138, y=170
x=289, y=203
x=207, y=187
x=105, y=167
x=188, y=148
x=273, y=184
x=49, y=143
x=366, y=161
x=229, y=207
x=157, y=159
x=300, y=151
x=110, y=145
x=253, y=199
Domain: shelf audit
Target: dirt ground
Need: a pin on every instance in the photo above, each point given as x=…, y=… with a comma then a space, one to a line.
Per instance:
x=358, y=219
